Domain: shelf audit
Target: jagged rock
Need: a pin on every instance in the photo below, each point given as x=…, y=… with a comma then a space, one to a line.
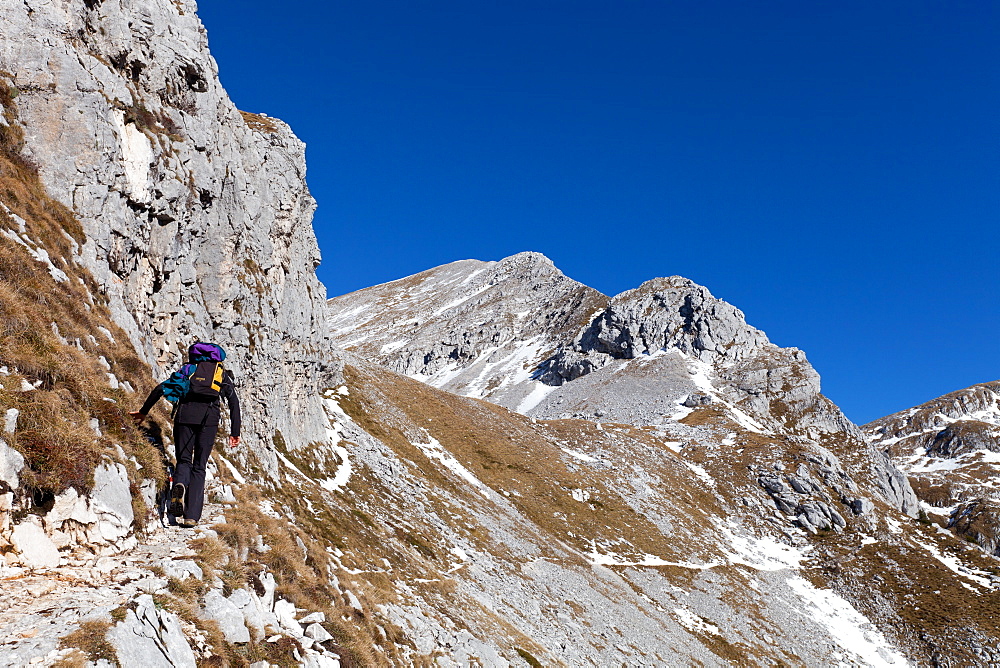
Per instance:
x=6, y=503
x=151, y=585
x=11, y=463
x=228, y=615
x=353, y=601
x=225, y=494
x=70, y=506
x=894, y=486
x=149, y=493
x=268, y=584
x=786, y=503
x=964, y=436
x=35, y=548
x=111, y=501
x=816, y=515
x=150, y=637
x=313, y=618
x=314, y=659
x=671, y=313
x=862, y=506
x=802, y=486
x=181, y=569
x=697, y=400
x=317, y=633
x=284, y=611
x=773, y=484
x=256, y=616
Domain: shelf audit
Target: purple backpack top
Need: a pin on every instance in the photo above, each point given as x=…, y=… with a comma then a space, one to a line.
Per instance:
x=206, y=352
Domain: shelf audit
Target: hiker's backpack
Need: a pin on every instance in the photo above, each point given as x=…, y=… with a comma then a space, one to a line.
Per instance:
x=202, y=376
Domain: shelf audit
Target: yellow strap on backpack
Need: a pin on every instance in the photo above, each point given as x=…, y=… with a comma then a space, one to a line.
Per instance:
x=217, y=379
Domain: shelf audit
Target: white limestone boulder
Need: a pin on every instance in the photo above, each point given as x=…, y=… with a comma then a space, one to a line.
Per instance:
x=35, y=549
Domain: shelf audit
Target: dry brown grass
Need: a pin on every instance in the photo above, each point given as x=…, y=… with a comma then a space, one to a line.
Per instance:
x=259, y=123
x=91, y=639
x=507, y=451
x=301, y=575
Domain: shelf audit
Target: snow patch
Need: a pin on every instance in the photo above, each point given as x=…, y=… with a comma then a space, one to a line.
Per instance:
x=762, y=554
x=344, y=471
x=849, y=628
x=692, y=622
x=434, y=450
x=579, y=455
x=535, y=397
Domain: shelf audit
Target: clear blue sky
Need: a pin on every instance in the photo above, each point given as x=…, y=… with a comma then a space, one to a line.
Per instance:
x=830, y=168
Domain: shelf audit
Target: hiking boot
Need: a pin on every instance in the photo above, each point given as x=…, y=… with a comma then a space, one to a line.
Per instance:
x=187, y=522
x=176, y=507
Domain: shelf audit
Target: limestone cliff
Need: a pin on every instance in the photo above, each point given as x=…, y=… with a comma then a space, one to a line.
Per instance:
x=196, y=215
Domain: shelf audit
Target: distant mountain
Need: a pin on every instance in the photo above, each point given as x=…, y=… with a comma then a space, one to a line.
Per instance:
x=950, y=449
x=521, y=334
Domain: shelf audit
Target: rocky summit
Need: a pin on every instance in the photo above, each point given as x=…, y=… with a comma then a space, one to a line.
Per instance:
x=484, y=464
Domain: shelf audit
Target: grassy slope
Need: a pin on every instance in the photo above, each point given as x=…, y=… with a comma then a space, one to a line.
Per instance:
x=53, y=334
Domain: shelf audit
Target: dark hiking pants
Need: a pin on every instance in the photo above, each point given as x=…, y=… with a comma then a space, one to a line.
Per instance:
x=193, y=446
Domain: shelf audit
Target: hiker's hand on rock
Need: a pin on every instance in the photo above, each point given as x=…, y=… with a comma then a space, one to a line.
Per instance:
x=234, y=441
x=137, y=417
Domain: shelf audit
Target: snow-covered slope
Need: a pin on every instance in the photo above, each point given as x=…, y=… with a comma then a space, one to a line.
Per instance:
x=950, y=448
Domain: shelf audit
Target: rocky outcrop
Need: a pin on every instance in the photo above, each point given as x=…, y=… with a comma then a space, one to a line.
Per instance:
x=776, y=386
x=197, y=216
x=947, y=447
x=671, y=313
x=951, y=425
x=101, y=520
x=150, y=636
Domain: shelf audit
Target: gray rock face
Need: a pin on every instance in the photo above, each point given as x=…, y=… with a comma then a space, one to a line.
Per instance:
x=150, y=636
x=963, y=437
x=35, y=548
x=776, y=386
x=894, y=485
x=671, y=313
x=197, y=219
x=229, y=617
x=948, y=426
x=817, y=492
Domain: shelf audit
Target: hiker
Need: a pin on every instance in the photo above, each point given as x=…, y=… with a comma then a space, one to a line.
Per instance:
x=197, y=389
